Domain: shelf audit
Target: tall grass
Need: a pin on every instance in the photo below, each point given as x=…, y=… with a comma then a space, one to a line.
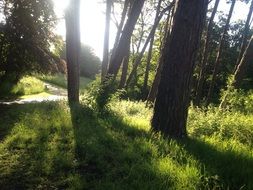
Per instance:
x=52, y=146
x=26, y=86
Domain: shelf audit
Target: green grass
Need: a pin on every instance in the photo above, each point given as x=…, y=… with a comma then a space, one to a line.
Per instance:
x=50, y=146
x=28, y=85
x=61, y=80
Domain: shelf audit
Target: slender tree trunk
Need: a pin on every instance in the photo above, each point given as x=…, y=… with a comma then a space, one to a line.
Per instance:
x=122, y=47
x=171, y=106
x=124, y=70
x=106, y=39
x=245, y=35
x=73, y=49
x=205, y=54
x=153, y=91
x=219, y=53
x=151, y=34
x=119, y=31
x=246, y=59
x=145, y=83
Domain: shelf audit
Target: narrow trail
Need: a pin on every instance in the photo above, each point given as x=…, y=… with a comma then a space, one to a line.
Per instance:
x=54, y=93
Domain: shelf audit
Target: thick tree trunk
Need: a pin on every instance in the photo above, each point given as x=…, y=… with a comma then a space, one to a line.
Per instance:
x=122, y=47
x=245, y=35
x=73, y=49
x=219, y=53
x=171, y=106
x=151, y=34
x=153, y=91
x=205, y=55
x=106, y=39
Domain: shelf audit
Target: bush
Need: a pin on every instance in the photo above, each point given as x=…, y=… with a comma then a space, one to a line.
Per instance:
x=238, y=100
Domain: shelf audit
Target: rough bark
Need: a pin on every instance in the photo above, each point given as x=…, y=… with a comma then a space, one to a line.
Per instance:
x=122, y=47
x=106, y=39
x=203, y=64
x=245, y=35
x=73, y=49
x=219, y=53
x=171, y=106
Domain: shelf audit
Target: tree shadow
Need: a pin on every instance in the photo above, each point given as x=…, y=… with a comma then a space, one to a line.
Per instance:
x=234, y=170
x=110, y=154
x=10, y=114
x=219, y=169
x=107, y=153
x=36, y=156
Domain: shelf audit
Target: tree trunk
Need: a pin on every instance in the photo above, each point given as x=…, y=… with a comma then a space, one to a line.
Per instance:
x=153, y=91
x=205, y=55
x=151, y=34
x=171, y=106
x=119, y=31
x=219, y=53
x=124, y=70
x=245, y=35
x=106, y=39
x=145, y=83
x=247, y=58
x=122, y=47
x=73, y=49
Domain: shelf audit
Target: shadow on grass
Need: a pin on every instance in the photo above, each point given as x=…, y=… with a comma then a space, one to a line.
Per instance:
x=9, y=116
x=37, y=153
x=90, y=151
x=114, y=154
x=234, y=170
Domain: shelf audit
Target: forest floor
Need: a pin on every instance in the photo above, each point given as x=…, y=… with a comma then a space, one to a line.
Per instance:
x=50, y=145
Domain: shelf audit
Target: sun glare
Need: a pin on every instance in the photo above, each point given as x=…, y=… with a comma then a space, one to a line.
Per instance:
x=92, y=21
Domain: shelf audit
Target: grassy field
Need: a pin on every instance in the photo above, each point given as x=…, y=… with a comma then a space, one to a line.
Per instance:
x=26, y=86
x=52, y=146
x=61, y=80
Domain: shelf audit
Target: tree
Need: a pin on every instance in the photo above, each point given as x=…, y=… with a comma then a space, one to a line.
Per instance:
x=150, y=36
x=172, y=101
x=25, y=38
x=204, y=59
x=145, y=83
x=72, y=18
x=245, y=34
x=219, y=53
x=154, y=88
x=106, y=39
x=122, y=46
x=240, y=71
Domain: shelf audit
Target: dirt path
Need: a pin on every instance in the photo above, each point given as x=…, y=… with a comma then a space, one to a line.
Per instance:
x=54, y=93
